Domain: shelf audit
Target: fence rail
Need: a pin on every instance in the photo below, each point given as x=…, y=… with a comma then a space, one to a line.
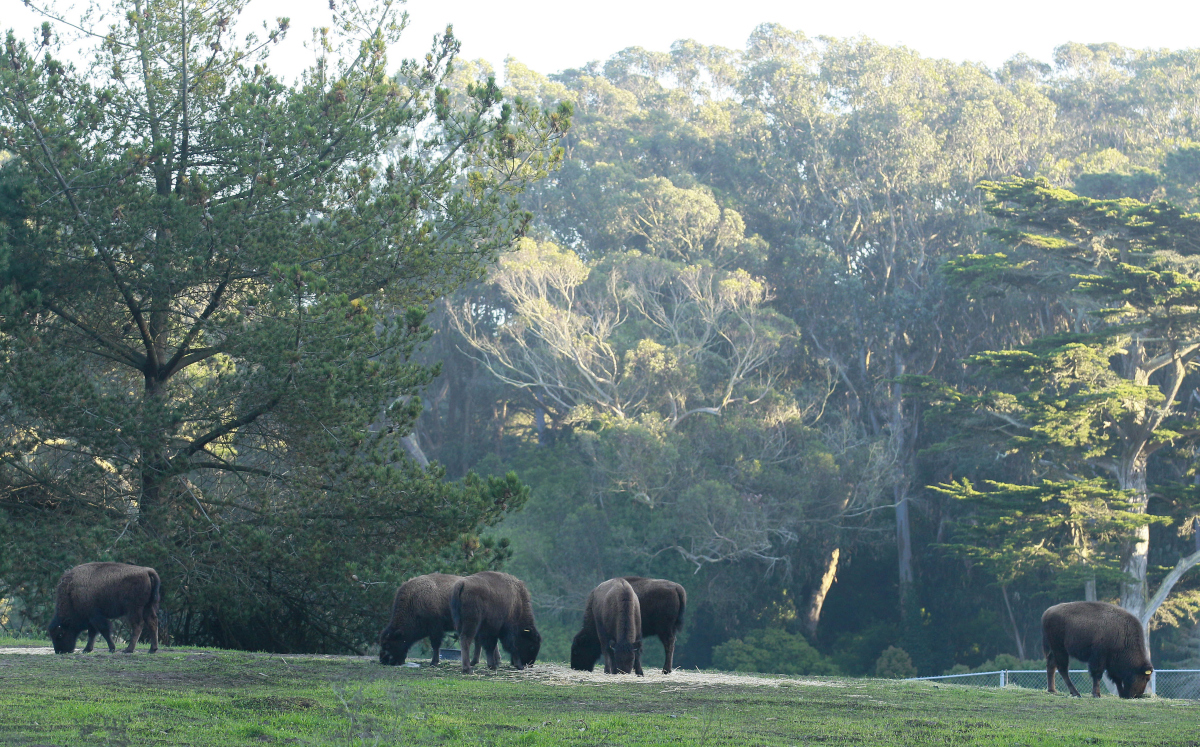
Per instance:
x=1165, y=683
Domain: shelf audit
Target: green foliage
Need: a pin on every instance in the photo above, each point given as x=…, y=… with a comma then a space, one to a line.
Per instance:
x=771, y=650
x=1003, y=661
x=894, y=664
x=214, y=291
x=1060, y=534
x=1101, y=398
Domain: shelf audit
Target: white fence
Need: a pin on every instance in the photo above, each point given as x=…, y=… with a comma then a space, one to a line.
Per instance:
x=1165, y=683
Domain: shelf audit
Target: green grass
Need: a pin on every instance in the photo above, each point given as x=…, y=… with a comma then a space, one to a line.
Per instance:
x=208, y=697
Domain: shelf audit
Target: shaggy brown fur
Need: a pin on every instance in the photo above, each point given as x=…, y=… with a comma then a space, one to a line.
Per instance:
x=1105, y=636
x=662, y=603
x=89, y=595
x=618, y=619
x=494, y=608
x=421, y=609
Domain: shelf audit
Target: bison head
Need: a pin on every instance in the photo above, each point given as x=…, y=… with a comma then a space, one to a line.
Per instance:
x=1133, y=685
x=585, y=649
x=392, y=648
x=529, y=642
x=624, y=654
x=63, y=635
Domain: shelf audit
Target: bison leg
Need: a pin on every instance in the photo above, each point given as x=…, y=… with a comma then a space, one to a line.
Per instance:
x=1051, y=668
x=135, y=632
x=1096, y=669
x=435, y=641
x=464, y=641
x=151, y=618
x=1063, y=662
x=637, y=663
x=91, y=640
x=478, y=649
x=493, y=655
x=669, y=647
x=100, y=623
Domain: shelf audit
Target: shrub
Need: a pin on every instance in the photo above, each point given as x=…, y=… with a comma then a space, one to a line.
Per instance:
x=771, y=650
x=894, y=663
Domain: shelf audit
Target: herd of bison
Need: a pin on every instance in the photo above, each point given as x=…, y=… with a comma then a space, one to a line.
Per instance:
x=489, y=609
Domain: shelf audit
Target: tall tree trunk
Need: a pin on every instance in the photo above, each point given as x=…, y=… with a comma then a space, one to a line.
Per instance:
x=1137, y=547
x=154, y=461
x=904, y=544
x=816, y=600
x=903, y=434
x=1016, y=628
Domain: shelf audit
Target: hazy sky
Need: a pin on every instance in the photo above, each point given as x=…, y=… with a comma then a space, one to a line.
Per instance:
x=550, y=36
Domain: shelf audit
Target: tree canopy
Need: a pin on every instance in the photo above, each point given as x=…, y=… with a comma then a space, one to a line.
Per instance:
x=214, y=287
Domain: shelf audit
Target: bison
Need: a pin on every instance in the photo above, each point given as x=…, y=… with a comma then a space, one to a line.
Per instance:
x=490, y=609
x=1105, y=636
x=662, y=603
x=618, y=618
x=421, y=609
x=89, y=595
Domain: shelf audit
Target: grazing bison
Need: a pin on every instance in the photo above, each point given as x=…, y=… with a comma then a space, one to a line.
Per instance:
x=618, y=619
x=662, y=603
x=491, y=608
x=1105, y=636
x=89, y=595
x=421, y=609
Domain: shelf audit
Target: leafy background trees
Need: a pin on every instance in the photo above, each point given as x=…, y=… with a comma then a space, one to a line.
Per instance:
x=878, y=355
x=842, y=175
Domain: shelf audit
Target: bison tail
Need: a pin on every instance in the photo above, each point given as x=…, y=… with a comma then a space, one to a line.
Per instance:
x=682, y=604
x=456, y=604
x=155, y=588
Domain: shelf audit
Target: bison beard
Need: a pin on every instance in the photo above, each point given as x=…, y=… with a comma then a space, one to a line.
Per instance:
x=490, y=609
x=1105, y=636
x=89, y=595
x=662, y=603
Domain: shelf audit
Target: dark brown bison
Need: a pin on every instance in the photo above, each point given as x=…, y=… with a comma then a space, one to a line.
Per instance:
x=421, y=609
x=662, y=603
x=491, y=608
x=1105, y=636
x=618, y=619
x=89, y=595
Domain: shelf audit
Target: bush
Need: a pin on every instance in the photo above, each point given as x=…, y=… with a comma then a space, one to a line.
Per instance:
x=771, y=650
x=1002, y=661
x=855, y=652
x=894, y=663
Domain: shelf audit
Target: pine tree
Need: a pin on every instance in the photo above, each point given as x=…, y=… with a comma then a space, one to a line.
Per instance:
x=213, y=288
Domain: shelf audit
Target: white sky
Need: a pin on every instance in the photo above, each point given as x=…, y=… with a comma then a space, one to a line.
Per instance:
x=551, y=36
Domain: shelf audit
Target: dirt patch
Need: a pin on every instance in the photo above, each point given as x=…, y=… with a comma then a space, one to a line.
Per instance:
x=680, y=679
x=27, y=650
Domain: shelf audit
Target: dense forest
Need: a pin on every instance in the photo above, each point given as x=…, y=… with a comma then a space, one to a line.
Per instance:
x=878, y=355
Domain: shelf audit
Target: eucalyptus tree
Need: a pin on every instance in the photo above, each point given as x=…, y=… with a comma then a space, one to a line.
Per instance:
x=861, y=173
x=215, y=285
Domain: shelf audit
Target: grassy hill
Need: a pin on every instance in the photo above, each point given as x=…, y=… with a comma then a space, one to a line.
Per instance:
x=212, y=697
